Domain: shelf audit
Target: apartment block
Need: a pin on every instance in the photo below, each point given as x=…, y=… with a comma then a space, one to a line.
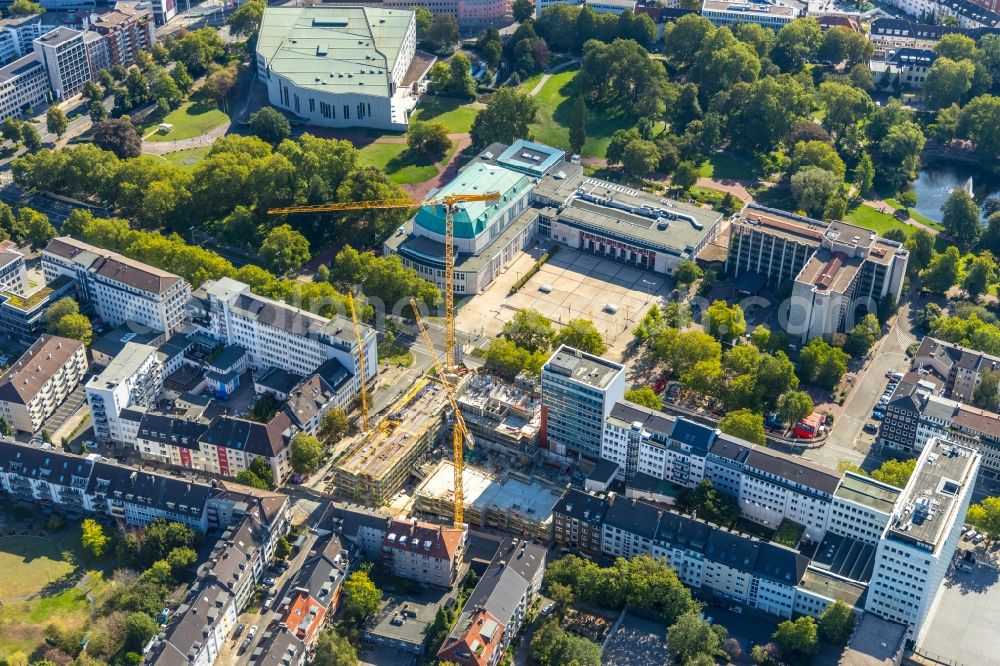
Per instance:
x=24, y=87
x=268, y=329
x=833, y=268
x=40, y=381
x=64, y=53
x=230, y=444
x=13, y=275
x=125, y=31
x=903, y=69
x=578, y=392
x=890, y=34
x=958, y=367
x=577, y=521
x=120, y=289
x=967, y=14
x=133, y=379
x=918, y=544
x=427, y=553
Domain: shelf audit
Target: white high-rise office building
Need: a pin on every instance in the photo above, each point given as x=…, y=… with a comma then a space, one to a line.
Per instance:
x=133, y=379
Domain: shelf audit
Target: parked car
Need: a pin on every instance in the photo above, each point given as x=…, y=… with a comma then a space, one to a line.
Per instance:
x=548, y=610
x=736, y=609
x=964, y=566
x=253, y=632
x=240, y=629
x=969, y=536
x=870, y=428
x=979, y=538
x=878, y=415
x=245, y=644
x=269, y=581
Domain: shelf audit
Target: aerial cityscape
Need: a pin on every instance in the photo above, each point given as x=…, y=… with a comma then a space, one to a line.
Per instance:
x=499, y=332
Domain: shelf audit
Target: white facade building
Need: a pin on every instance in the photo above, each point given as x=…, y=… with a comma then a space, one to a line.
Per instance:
x=599, y=6
x=133, y=379
x=120, y=289
x=920, y=540
x=17, y=34
x=341, y=66
x=24, y=87
x=13, y=275
x=768, y=13
x=64, y=54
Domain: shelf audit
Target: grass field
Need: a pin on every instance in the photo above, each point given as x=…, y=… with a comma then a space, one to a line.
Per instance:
x=189, y=120
x=454, y=114
x=725, y=167
x=869, y=218
x=936, y=224
x=555, y=107
x=28, y=564
x=399, y=165
x=187, y=159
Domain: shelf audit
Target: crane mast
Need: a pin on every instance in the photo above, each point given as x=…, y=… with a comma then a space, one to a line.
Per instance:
x=460, y=433
x=362, y=364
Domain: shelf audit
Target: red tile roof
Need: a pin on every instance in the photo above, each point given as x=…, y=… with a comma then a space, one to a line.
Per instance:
x=434, y=540
x=476, y=646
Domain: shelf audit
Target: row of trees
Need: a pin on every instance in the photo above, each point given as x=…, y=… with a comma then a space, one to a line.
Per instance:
x=528, y=337
x=28, y=226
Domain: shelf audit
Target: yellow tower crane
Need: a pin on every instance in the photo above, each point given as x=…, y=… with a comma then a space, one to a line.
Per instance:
x=460, y=434
x=449, y=201
x=362, y=365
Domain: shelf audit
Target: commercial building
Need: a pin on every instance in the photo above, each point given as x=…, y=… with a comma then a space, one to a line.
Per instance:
x=495, y=610
x=917, y=546
x=340, y=66
x=40, y=380
x=861, y=508
x=512, y=502
x=17, y=34
x=64, y=55
x=380, y=462
x=268, y=329
x=133, y=379
x=120, y=289
x=599, y=6
x=834, y=269
x=24, y=87
x=579, y=391
x=903, y=69
x=22, y=319
x=544, y=196
x=768, y=13
x=427, y=553
x=501, y=416
x=13, y=275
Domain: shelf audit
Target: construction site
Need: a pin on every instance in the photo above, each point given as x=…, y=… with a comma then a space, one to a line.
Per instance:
x=380, y=461
x=501, y=416
x=504, y=500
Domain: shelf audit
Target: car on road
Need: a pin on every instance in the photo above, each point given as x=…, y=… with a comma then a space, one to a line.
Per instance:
x=870, y=428
x=736, y=609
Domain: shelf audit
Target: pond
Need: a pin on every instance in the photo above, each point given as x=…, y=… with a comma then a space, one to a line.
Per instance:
x=936, y=181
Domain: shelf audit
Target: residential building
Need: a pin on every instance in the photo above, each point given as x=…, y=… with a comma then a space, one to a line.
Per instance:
x=120, y=289
x=579, y=390
x=125, y=30
x=13, y=275
x=903, y=69
x=577, y=520
x=133, y=379
x=340, y=66
x=162, y=437
x=495, y=610
x=427, y=553
x=164, y=10
x=890, y=34
x=46, y=476
x=545, y=196
x=109, y=345
x=320, y=578
x=267, y=329
x=22, y=319
x=40, y=380
x=310, y=399
x=64, y=55
x=138, y=497
x=958, y=367
x=472, y=15
x=768, y=13
x=199, y=634
x=968, y=14
x=24, y=87
x=230, y=444
x=599, y=6
x=919, y=542
x=834, y=268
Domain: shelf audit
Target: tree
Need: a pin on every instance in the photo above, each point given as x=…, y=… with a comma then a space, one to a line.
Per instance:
x=269, y=123
x=460, y=81
x=844, y=45
x=795, y=406
x=987, y=391
x=985, y=516
x=139, y=628
x=863, y=175
x=948, y=82
x=530, y=330
x=744, y=424
x=961, y=217
x=284, y=249
x=685, y=176
x=55, y=121
x=282, y=549
x=817, y=154
x=724, y=322
x=691, y=636
x=899, y=153
x=797, y=42
x=562, y=596
x=646, y=397
x=97, y=112
x=615, y=151
x=37, y=228
x=424, y=19
x=119, y=136
x=444, y=31
x=979, y=275
x=61, y=308
x=687, y=272
x=218, y=85
x=709, y=504
x=822, y=364
x=641, y=158
x=248, y=478
x=430, y=139
x=31, y=138
x=681, y=351
x=333, y=649
x=245, y=21
x=578, y=122
x=92, y=537
x=895, y=472
x=978, y=122
x=333, y=425
x=797, y=640
x=812, y=187
x=11, y=130
x=581, y=334
x=942, y=272
x=921, y=247
x=836, y=623
x=956, y=46
x=507, y=117
x=523, y=10
x=863, y=336
x=25, y=8
x=305, y=453
x=362, y=598
x=76, y=327
x=506, y=359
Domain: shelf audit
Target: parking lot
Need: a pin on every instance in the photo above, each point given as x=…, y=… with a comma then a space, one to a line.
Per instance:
x=73, y=402
x=961, y=625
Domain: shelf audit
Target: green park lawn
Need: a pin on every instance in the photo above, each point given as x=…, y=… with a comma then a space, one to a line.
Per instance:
x=399, y=165
x=555, y=107
x=725, y=167
x=936, y=224
x=454, y=114
x=869, y=218
x=28, y=564
x=189, y=120
x=187, y=159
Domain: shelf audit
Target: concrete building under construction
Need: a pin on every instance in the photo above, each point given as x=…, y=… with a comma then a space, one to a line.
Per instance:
x=511, y=502
x=380, y=462
x=501, y=416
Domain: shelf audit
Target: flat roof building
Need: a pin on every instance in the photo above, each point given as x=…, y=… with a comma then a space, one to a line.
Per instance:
x=768, y=13
x=339, y=66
